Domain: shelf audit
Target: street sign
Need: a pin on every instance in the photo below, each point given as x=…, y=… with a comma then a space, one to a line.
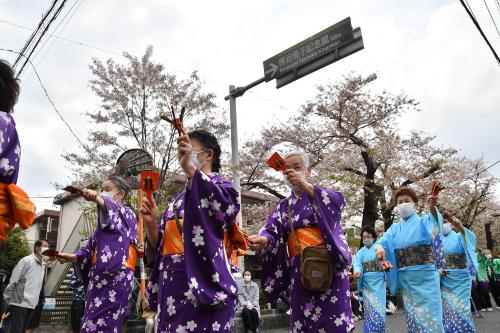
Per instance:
x=313, y=50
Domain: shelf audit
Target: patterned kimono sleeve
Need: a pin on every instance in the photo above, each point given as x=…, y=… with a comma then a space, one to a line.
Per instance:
x=330, y=204
x=10, y=149
x=84, y=259
x=109, y=217
x=431, y=224
x=275, y=273
x=271, y=230
x=387, y=243
x=435, y=229
x=84, y=254
x=358, y=261
x=217, y=195
x=468, y=242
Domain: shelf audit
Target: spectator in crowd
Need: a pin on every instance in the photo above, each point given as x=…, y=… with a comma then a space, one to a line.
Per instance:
x=248, y=303
x=22, y=293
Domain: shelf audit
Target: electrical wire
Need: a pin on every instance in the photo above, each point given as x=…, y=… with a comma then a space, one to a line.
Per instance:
x=64, y=39
x=472, y=17
x=470, y=9
x=55, y=29
x=54, y=39
x=492, y=20
x=53, y=105
x=19, y=72
x=35, y=33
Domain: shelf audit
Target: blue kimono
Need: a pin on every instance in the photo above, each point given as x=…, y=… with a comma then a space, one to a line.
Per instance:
x=420, y=283
x=456, y=286
x=372, y=286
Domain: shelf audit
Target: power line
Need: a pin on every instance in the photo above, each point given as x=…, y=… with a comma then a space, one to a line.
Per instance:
x=54, y=39
x=480, y=30
x=65, y=39
x=55, y=29
x=53, y=105
x=40, y=24
x=41, y=36
x=492, y=20
x=470, y=9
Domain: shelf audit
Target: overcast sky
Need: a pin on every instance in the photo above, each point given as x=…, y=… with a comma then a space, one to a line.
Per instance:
x=428, y=49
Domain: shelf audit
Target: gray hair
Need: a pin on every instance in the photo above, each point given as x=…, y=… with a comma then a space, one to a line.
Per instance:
x=120, y=183
x=304, y=157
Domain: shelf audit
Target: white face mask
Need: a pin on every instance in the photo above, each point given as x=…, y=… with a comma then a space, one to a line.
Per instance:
x=368, y=242
x=446, y=228
x=108, y=195
x=247, y=278
x=406, y=209
x=194, y=159
x=43, y=249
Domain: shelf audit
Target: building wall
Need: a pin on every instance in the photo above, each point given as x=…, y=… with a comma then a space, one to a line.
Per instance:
x=32, y=234
x=70, y=213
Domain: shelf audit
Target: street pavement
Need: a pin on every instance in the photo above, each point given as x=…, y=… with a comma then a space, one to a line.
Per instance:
x=396, y=323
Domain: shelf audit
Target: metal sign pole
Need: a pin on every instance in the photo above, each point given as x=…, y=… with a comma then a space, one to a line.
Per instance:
x=235, y=153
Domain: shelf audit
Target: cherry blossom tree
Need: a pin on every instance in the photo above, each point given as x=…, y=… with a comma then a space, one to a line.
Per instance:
x=352, y=135
x=132, y=98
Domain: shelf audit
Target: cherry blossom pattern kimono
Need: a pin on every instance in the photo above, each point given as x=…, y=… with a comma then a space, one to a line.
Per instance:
x=108, y=282
x=10, y=149
x=183, y=284
x=456, y=286
x=311, y=311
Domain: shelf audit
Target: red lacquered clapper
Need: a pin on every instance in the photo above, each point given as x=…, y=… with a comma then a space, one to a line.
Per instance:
x=277, y=162
x=176, y=121
x=149, y=183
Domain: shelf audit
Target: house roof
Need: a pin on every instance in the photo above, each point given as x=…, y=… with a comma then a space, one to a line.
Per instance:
x=46, y=213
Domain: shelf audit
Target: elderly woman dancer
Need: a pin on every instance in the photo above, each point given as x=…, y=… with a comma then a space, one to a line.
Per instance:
x=411, y=240
x=315, y=214
x=108, y=260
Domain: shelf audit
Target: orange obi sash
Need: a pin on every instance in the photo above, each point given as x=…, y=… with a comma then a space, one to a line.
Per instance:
x=15, y=207
x=235, y=241
x=133, y=253
x=172, y=239
x=309, y=236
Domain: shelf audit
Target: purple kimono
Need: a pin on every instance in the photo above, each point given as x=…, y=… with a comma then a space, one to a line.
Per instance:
x=10, y=149
x=179, y=283
x=108, y=282
x=311, y=311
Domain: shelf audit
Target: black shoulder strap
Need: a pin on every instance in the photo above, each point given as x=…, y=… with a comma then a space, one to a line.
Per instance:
x=177, y=223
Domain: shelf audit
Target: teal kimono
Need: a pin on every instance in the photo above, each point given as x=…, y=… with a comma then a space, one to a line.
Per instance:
x=371, y=285
x=456, y=286
x=420, y=283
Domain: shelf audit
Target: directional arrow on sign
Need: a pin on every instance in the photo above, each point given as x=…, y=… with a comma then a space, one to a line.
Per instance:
x=310, y=54
x=271, y=72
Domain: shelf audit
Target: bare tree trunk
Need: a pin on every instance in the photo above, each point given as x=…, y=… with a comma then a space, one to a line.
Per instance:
x=489, y=236
x=371, y=191
x=370, y=206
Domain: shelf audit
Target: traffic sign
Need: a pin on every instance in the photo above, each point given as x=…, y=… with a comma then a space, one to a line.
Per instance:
x=313, y=50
